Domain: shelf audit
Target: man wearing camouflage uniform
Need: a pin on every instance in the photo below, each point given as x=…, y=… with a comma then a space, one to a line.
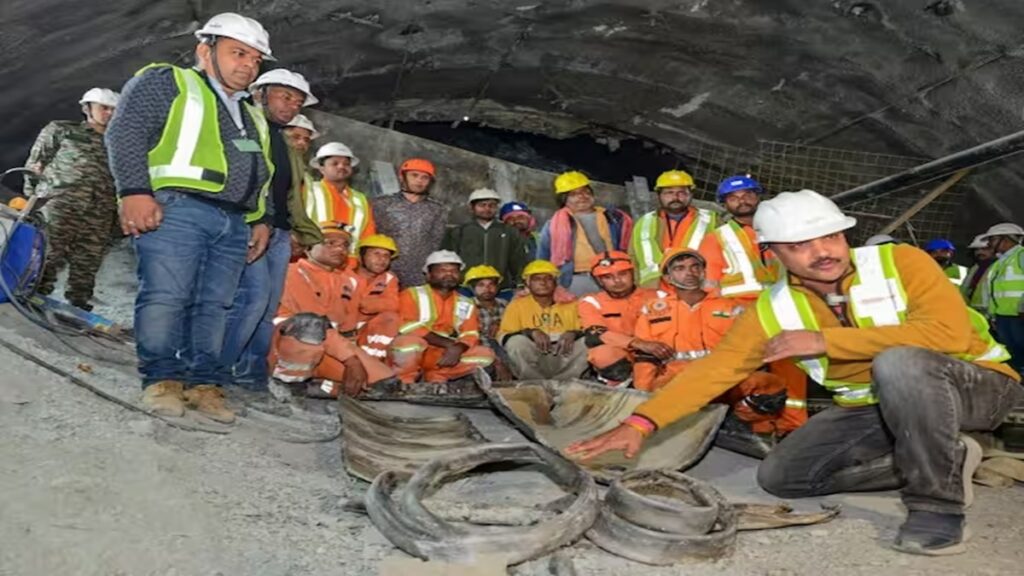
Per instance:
x=72, y=160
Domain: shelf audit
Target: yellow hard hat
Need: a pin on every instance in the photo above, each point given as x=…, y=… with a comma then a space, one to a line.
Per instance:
x=540, y=267
x=674, y=178
x=380, y=241
x=18, y=203
x=480, y=272
x=569, y=181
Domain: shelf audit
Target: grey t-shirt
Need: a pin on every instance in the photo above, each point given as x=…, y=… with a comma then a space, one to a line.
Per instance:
x=589, y=222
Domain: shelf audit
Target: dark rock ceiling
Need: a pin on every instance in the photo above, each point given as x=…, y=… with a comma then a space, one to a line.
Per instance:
x=913, y=77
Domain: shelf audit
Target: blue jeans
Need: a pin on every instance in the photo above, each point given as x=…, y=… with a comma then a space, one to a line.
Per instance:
x=250, y=320
x=188, y=271
x=1010, y=333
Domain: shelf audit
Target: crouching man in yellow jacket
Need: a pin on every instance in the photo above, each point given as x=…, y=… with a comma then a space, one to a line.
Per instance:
x=908, y=364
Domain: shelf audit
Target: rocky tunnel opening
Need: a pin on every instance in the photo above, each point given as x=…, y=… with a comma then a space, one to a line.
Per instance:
x=607, y=158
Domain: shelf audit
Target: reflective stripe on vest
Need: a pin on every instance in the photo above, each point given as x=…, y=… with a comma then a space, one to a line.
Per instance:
x=877, y=298
x=960, y=271
x=190, y=153
x=319, y=202
x=424, y=298
x=1005, y=283
x=647, y=241
x=741, y=275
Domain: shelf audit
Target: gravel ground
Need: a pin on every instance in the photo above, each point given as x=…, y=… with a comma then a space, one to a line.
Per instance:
x=90, y=488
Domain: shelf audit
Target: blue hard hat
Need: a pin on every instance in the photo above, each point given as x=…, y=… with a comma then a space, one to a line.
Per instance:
x=513, y=206
x=737, y=183
x=939, y=244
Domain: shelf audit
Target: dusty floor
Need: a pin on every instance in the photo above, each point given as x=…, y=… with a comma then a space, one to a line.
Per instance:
x=89, y=488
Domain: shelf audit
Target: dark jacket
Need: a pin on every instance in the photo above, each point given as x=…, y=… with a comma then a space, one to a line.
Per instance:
x=498, y=245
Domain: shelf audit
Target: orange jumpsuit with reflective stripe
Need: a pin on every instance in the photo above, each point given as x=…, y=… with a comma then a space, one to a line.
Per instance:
x=454, y=317
x=311, y=288
x=694, y=331
x=617, y=318
x=376, y=299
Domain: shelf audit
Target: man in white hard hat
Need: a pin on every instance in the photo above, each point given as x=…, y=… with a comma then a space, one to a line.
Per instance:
x=281, y=94
x=300, y=133
x=972, y=288
x=908, y=364
x=192, y=161
x=1003, y=287
x=334, y=198
x=487, y=240
x=439, y=339
x=72, y=161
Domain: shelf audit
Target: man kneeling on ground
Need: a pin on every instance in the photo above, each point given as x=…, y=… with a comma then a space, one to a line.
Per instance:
x=908, y=364
x=542, y=337
x=316, y=320
x=484, y=281
x=609, y=317
x=440, y=337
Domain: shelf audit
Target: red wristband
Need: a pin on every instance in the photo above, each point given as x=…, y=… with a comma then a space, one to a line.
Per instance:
x=641, y=424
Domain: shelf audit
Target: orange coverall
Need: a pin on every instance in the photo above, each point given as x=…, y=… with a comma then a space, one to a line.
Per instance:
x=311, y=288
x=695, y=331
x=376, y=299
x=413, y=357
x=611, y=321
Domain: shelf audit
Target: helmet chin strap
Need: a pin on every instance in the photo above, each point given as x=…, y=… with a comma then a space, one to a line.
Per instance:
x=212, y=43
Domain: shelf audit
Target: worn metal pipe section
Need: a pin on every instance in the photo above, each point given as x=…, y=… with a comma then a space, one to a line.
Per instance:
x=398, y=511
x=976, y=156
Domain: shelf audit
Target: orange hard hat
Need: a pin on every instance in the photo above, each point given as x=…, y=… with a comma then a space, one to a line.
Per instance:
x=18, y=203
x=610, y=262
x=418, y=164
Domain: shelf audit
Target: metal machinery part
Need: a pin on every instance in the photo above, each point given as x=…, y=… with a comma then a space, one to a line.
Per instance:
x=398, y=512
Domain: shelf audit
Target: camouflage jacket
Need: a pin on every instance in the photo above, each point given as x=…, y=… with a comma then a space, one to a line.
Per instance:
x=72, y=155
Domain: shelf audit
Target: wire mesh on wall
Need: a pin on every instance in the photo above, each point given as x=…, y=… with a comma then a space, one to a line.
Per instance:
x=782, y=166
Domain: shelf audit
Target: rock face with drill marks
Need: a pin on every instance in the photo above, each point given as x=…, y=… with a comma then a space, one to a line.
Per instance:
x=913, y=78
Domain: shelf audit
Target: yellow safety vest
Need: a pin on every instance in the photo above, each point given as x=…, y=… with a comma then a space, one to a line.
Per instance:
x=647, y=241
x=319, y=203
x=1004, y=284
x=190, y=153
x=744, y=274
x=876, y=298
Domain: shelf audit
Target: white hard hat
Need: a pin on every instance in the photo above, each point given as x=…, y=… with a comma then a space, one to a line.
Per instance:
x=978, y=242
x=238, y=27
x=1004, y=229
x=288, y=78
x=104, y=96
x=300, y=121
x=879, y=239
x=443, y=257
x=333, y=149
x=483, y=194
x=798, y=217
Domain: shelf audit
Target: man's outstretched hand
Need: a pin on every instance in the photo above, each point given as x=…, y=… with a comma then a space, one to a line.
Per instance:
x=625, y=438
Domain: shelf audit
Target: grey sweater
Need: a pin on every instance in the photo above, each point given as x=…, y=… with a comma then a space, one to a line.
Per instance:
x=138, y=124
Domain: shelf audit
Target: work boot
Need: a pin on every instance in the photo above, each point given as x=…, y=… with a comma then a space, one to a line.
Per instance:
x=972, y=459
x=164, y=398
x=931, y=534
x=208, y=400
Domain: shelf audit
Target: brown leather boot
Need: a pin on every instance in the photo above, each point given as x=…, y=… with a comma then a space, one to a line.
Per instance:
x=164, y=398
x=208, y=400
